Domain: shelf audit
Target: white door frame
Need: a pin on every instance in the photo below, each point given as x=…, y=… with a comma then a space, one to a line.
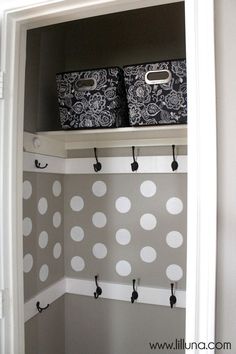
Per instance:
x=202, y=195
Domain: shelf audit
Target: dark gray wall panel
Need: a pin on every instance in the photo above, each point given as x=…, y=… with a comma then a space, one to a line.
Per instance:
x=32, y=71
x=137, y=36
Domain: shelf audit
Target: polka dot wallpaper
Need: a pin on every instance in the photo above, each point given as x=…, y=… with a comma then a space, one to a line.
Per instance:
x=126, y=226
x=118, y=226
x=43, y=231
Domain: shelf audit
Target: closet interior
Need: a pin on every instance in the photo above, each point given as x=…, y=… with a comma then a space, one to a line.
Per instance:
x=104, y=248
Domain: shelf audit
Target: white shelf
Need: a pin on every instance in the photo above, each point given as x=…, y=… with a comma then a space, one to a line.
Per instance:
x=57, y=143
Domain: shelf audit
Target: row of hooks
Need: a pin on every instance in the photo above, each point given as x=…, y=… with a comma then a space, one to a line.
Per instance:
x=134, y=165
x=134, y=295
x=98, y=291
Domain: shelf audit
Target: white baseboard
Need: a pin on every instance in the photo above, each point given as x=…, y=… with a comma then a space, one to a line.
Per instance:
x=113, y=291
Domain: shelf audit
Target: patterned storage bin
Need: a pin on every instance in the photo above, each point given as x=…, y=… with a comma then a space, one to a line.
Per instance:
x=92, y=99
x=157, y=93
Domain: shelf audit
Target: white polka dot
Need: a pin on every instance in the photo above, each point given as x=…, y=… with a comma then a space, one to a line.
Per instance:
x=27, y=226
x=174, y=239
x=148, y=189
x=99, y=188
x=44, y=272
x=123, y=268
x=77, y=263
x=174, y=272
x=123, y=237
x=148, y=254
x=77, y=233
x=42, y=206
x=99, y=251
x=123, y=204
x=76, y=203
x=57, y=250
x=148, y=222
x=27, y=189
x=43, y=239
x=174, y=206
x=28, y=263
x=56, y=188
x=99, y=219
x=57, y=219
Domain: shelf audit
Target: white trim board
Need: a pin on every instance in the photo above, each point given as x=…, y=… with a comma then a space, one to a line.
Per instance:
x=113, y=291
x=55, y=164
x=110, y=165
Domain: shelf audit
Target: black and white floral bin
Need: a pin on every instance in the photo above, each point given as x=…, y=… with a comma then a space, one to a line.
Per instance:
x=157, y=93
x=92, y=99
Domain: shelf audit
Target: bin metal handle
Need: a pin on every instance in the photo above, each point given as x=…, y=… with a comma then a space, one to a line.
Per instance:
x=155, y=77
x=87, y=84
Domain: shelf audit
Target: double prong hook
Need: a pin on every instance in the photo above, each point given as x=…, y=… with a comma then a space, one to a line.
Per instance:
x=174, y=164
x=173, y=299
x=97, y=166
x=134, y=164
x=134, y=293
x=98, y=289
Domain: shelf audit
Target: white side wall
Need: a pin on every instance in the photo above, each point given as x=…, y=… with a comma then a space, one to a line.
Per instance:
x=225, y=11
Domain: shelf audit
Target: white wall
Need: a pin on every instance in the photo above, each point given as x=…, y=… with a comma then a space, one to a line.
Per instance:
x=225, y=11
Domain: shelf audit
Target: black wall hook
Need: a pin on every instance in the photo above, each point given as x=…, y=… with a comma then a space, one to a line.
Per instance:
x=173, y=299
x=174, y=164
x=38, y=165
x=41, y=309
x=134, y=293
x=98, y=289
x=134, y=164
x=97, y=166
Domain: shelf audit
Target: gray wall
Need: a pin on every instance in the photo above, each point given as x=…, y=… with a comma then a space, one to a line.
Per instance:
x=150, y=272
x=45, y=237
x=225, y=11
x=45, y=333
x=131, y=37
x=45, y=57
x=76, y=199
x=116, y=327
x=113, y=324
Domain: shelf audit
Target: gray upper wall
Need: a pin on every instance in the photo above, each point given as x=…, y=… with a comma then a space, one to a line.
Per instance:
x=108, y=225
x=43, y=231
x=82, y=225
x=144, y=35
